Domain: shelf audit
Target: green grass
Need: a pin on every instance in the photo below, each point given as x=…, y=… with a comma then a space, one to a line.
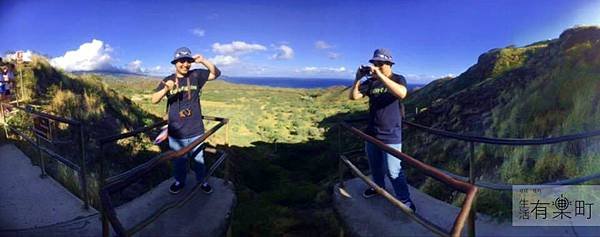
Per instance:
x=546, y=89
x=284, y=145
x=284, y=154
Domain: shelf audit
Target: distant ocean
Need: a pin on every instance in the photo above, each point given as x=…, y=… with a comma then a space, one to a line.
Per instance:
x=308, y=83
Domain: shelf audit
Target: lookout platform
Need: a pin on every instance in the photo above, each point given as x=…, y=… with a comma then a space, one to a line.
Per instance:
x=377, y=217
x=34, y=206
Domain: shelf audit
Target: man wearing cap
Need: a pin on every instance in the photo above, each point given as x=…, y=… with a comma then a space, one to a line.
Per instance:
x=384, y=89
x=185, y=125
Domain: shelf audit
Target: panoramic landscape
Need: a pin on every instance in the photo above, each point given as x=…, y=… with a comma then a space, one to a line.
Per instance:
x=284, y=136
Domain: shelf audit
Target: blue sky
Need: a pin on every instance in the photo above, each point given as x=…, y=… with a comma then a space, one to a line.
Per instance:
x=428, y=39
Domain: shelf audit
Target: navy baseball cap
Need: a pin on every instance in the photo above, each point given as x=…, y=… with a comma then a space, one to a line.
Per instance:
x=382, y=55
x=182, y=52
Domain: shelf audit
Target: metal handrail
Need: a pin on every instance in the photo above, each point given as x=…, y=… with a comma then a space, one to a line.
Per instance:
x=513, y=142
x=122, y=180
x=499, y=141
x=81, y=168
x=505, y=141
x=111, y=138
x=469, y=189
x=31, y=110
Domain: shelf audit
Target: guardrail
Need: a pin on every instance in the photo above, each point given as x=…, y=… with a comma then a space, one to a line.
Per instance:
x=504, y=141
x=469, y=189
x=487, y=140
x=117, y=182
x=49, y=119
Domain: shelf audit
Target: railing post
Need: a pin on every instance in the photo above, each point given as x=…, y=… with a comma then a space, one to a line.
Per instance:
x=40, y=155
x=83, y=171
x=340, y=164
x=104, y=217
x=472, y=212
x=341, y=172
x=227, y=174
x=4, y=124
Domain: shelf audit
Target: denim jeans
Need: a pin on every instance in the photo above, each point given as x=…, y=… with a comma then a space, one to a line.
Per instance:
x=180, y=164
x=382, y=163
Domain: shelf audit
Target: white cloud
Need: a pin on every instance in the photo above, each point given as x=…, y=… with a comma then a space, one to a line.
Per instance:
x=323, y=70
x=26, y=56
x=94, y=55
x=320, y=44
x=284, y=52
x=135, y=66
x=222, y=60
x=156, y=70
x=333, y=55
x=423, y=79
x=198, y=32
x=237, y=48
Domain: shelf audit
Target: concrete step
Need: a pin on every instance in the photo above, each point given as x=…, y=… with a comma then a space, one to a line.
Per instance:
x=62, y=215
x=377, y=217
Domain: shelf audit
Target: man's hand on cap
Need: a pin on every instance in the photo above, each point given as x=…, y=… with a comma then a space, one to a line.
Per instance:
x=198, y=58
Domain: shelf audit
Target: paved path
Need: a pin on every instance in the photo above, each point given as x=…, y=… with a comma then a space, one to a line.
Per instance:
x=377, y=217
x=27, y=210
x=26, y=200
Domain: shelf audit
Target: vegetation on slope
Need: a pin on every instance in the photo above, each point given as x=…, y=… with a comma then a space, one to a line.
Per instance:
x=546, y=89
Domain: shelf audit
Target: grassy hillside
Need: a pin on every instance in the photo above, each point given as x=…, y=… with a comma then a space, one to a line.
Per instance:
x=284, y=144
x=84, y=98
x=257, y=113
x=284, y=151
x=545, y=89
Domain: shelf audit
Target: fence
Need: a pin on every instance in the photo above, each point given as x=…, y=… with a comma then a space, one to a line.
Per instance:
x=44, y=126
x=450, y=178
x=112, y=184
x=469, y=189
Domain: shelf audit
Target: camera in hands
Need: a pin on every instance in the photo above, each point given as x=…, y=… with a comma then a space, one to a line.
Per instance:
x=365, y=70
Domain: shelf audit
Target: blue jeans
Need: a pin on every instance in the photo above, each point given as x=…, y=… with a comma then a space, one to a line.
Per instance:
x=382, y=163
x=180, y=164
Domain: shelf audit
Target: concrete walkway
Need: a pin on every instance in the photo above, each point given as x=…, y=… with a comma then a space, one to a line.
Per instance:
x=27, y=211
x=377, y=217
x=28, y=201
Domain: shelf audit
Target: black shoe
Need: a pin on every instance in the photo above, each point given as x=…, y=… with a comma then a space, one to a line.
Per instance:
x=206, y=188
x=411, y=205
x=176, y=187
x=369, y=192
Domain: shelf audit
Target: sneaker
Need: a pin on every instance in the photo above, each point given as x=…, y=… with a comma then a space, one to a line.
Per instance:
x=176, y=187
x=206, y=188
x=369, y=192
x=411, y=205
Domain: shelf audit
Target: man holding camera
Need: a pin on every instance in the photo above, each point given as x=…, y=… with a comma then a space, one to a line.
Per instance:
x=185, y=114
x=384, y=89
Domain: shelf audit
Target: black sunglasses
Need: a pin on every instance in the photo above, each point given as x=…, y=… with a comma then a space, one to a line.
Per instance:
x=378, y=64
x=183, y=60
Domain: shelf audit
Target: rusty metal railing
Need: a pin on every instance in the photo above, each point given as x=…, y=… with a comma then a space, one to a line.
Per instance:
x=81, y=168
x=469, y=189
x=117, y=182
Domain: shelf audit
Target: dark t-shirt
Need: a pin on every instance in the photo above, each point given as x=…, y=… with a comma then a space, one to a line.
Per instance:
x=385, y=122
x=183, y=103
